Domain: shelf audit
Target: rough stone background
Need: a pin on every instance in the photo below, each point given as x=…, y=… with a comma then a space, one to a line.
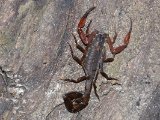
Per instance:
x=34, y=55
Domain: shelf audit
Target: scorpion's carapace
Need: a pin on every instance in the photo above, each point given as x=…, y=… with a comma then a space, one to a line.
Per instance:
x=94, y=55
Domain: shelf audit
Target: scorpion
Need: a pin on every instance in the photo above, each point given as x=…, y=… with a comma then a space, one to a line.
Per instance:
x=92, y=60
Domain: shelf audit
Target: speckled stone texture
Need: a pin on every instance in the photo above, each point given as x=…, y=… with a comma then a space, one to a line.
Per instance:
x=35, y=56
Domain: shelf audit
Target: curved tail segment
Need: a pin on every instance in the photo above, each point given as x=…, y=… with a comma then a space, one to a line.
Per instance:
x=74, y=101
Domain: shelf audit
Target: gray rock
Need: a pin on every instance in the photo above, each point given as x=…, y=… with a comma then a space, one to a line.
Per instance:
x=35, y=56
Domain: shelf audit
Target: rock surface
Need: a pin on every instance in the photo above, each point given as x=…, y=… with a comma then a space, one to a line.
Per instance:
x=35, y=56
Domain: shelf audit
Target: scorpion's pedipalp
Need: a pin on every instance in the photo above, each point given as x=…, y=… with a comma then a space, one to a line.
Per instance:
x=87, y=30
x=120, y=48
x=127, y=37
x=81, y=24
x=84, y=17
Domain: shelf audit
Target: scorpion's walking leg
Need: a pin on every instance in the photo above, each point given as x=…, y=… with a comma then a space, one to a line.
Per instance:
x=75, y=57
x=104, y=58
x=119, y=49
x=80, y=79
x=104, y=74
x=77, y=45
x=94, y=84
x=79, y=61
x=113, y=81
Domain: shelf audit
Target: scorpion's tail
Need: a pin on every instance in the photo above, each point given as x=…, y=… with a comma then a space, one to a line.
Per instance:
x=74, y=101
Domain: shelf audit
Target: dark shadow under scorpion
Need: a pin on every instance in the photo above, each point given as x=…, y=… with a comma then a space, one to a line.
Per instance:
x=94, y=55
